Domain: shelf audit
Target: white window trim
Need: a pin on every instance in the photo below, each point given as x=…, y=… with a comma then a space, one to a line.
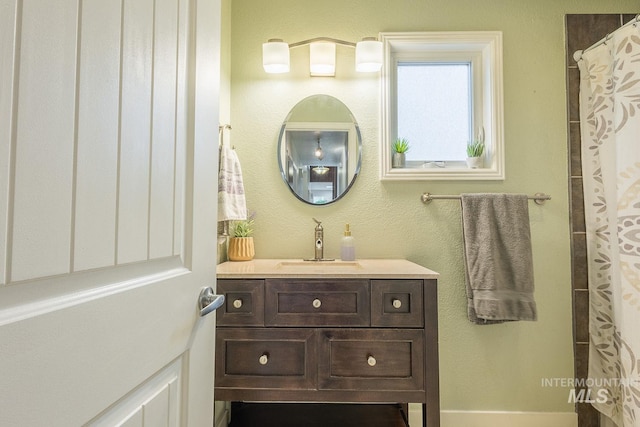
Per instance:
x=488, y=45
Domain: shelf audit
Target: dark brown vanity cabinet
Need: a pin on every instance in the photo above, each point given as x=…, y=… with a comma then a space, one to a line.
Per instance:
x=329, y=340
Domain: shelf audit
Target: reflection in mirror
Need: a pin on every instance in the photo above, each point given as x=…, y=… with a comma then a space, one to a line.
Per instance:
x=319, y=149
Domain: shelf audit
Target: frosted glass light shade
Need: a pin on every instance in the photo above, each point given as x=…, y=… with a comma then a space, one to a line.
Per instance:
x=368, y=56
x=322, y=59
x=275, y=56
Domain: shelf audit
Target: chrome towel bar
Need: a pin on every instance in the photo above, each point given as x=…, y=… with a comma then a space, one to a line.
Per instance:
x=538, y=198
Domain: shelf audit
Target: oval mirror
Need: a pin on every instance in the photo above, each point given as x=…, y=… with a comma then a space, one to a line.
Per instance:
x=319, y=150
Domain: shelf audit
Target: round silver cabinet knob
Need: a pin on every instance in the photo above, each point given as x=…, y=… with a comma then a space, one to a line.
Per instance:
x=397, y=303
x=371, y=360
x=237, y=303
x=264, y=359
x=317, y=303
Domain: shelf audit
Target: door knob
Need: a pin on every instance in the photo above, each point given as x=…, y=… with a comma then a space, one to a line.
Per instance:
x=208, y=301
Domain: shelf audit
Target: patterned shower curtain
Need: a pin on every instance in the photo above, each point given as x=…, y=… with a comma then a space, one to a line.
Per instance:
x=610, y=128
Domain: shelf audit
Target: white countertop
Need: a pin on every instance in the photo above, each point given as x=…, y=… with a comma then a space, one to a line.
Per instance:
x=360, y=268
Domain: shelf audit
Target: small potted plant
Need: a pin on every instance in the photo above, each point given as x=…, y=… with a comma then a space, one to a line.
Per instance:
x=241, y=246
x=475, y=150
x=400, y=146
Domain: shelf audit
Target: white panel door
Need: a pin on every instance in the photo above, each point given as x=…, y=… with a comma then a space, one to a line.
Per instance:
x=108, y=160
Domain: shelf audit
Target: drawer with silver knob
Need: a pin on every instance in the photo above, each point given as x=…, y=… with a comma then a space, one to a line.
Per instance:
x=316, y=302
x=266, y=358
x=244, y=302
x=397, y=303
x=366, y=358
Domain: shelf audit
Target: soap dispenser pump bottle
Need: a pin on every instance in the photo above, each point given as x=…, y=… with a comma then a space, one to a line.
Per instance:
x=347, y=246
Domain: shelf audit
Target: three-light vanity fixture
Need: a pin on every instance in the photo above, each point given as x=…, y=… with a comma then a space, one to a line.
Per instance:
x=322, y=55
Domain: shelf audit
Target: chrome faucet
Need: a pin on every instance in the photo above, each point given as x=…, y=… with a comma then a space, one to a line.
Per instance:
x=319, y=238
x=319, y=243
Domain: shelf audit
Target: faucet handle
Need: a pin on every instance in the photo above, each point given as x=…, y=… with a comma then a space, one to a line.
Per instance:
x=319, y=226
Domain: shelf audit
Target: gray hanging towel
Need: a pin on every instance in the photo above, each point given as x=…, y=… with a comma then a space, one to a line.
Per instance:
x=498, y=258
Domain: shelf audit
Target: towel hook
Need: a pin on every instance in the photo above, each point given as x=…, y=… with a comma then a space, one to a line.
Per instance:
x=221, y=129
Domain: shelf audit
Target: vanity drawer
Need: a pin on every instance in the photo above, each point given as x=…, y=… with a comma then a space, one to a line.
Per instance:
x=266, y=358
x=293, y=302
x=397, y=303
x=244, y=303
x=368, y=359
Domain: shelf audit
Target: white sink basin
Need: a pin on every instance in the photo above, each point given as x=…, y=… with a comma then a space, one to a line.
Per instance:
x=318, y=265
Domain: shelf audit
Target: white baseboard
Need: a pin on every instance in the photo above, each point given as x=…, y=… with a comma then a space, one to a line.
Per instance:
x=222, y=411
x=223, y=420
x=496, y=418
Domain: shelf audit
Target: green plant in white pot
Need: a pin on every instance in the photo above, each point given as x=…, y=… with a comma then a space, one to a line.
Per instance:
x=400, y=146
x=475, y=151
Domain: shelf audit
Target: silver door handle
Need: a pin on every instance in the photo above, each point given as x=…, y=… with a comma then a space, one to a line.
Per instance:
x=208, y=301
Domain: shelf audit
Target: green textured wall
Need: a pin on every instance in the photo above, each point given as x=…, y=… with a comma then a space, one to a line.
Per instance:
x=498, y=367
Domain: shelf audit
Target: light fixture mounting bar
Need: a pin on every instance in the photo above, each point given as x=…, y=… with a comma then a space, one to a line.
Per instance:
x=322, y=39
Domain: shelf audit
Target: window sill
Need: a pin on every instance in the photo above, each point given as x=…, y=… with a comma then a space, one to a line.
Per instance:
x=456, y=171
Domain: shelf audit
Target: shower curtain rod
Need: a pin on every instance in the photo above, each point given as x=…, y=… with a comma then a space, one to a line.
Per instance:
x=539, y=198
x=577, y=55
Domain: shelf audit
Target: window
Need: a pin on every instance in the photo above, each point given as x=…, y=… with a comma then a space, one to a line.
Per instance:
x=440, y=90
x=431, y=97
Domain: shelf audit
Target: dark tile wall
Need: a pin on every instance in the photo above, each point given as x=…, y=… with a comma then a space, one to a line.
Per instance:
x=582, y=32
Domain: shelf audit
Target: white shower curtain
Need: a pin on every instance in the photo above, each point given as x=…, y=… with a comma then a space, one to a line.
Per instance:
x=610, y=128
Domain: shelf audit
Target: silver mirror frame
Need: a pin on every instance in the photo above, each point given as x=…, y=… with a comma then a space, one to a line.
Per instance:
x=284, y=167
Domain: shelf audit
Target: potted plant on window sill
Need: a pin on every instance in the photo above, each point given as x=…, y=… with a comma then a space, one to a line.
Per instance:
x=400, y=146
x=475, y=150
x=241, y=246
